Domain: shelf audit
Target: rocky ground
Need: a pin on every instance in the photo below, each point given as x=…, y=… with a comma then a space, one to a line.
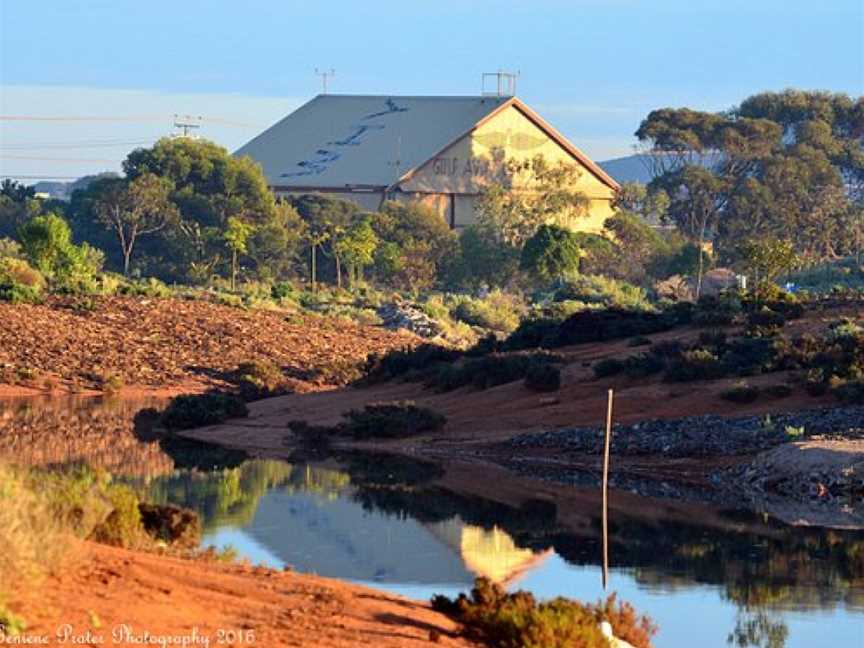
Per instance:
x=703, y=436
x=76, y=344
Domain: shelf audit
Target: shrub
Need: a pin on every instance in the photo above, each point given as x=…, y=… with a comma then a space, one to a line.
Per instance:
x=19, y=282
x=716, y=310
x=533, y=334
x=543, y=378
x=393, y=420
x=493, y=616
x=696, y=364
x=607, y=367
x=552, y=251
x=122, y=527
x=765, y=322
x=606, y=291
x=638, y=341
x=499, y=311
x=418, y=361
x=259, y=379
x=777, y=391
x=741, y=393
x=644, y=365
x=111, y=383
x=31, y=535
x=610, y=324
x=282, y=290
x=488, y=371
x=198, y=410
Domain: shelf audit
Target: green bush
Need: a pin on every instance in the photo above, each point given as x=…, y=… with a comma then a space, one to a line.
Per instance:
x=543, y=378
x=19, y=282
x=497, y=618
x=198, y=410
x=499, y=311
x=605, y=291
x=392, y=420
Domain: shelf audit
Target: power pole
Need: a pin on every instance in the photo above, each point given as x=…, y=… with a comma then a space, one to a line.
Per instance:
x=326, y=75
x=186, y=124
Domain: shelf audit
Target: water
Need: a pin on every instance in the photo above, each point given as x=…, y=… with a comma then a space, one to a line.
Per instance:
x=409, y=527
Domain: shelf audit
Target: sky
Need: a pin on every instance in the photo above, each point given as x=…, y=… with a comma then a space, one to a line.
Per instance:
x=82, y=82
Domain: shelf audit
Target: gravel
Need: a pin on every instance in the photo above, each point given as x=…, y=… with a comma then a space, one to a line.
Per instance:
x=704, y=436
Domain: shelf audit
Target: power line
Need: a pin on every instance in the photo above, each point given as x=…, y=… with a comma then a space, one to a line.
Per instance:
x=71, y=145
x=53, y=159
x=126, y=118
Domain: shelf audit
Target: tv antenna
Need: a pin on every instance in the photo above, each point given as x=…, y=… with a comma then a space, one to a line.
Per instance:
x=326, y=75
x=505, y=84
x=186, y=124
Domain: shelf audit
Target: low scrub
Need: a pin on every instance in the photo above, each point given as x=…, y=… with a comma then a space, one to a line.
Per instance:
x=400, y=419
x=543, y=378
x=259, y=379
x=741, y=393
x=489, y=371
x=393, y=421
x=498, y=311
x=198, y=410
x=409, y=363
x=19, y=282
x=497, y=618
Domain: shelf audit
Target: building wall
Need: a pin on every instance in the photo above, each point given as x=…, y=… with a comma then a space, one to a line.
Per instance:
x=472, y=163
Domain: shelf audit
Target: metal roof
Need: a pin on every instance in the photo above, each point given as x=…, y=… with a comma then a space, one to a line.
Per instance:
x=334, y=141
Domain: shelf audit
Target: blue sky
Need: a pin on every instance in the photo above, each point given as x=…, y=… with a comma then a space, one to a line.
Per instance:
x=594, y=68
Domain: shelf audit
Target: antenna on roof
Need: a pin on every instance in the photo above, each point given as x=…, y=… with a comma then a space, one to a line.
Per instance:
x=505, y=84
x=325, y=76
x=186, y=124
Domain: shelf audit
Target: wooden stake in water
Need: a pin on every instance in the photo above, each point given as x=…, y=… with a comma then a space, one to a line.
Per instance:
x=606, y=445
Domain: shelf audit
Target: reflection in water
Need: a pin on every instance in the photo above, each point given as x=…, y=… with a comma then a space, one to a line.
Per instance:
x=45, y=431
x=744, y=579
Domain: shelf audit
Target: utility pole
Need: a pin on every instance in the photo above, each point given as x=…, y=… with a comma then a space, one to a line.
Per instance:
x=326, y=75
x=186, y=124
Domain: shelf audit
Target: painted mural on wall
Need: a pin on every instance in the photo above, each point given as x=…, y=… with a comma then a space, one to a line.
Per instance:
x=324, y=157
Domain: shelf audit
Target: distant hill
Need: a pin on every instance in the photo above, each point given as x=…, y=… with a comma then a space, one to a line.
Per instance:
x=633, y=168
x=63, y=190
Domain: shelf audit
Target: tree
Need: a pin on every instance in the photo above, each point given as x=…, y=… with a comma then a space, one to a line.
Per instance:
x=209, y=187
x=551, y=252
x=765, y=260
x=236, y=236
x=357, y=246
x=533, y=193
x=133, y=209
x=416, y=244
x=780, y=165
x=47, y=242
x=326, y=220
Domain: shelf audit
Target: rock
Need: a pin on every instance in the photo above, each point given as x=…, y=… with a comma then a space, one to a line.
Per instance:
x=407, y=316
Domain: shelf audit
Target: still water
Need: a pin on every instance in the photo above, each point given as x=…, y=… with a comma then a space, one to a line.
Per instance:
x=705, y=576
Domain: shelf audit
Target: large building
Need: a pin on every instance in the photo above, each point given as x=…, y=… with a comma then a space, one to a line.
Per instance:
x=440, y=151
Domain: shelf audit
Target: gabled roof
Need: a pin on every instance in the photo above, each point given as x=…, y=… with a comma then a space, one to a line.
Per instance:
x=369, y=141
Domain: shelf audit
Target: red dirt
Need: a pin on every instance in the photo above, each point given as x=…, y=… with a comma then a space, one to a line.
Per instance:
x=163, y=346
x=165, y=596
